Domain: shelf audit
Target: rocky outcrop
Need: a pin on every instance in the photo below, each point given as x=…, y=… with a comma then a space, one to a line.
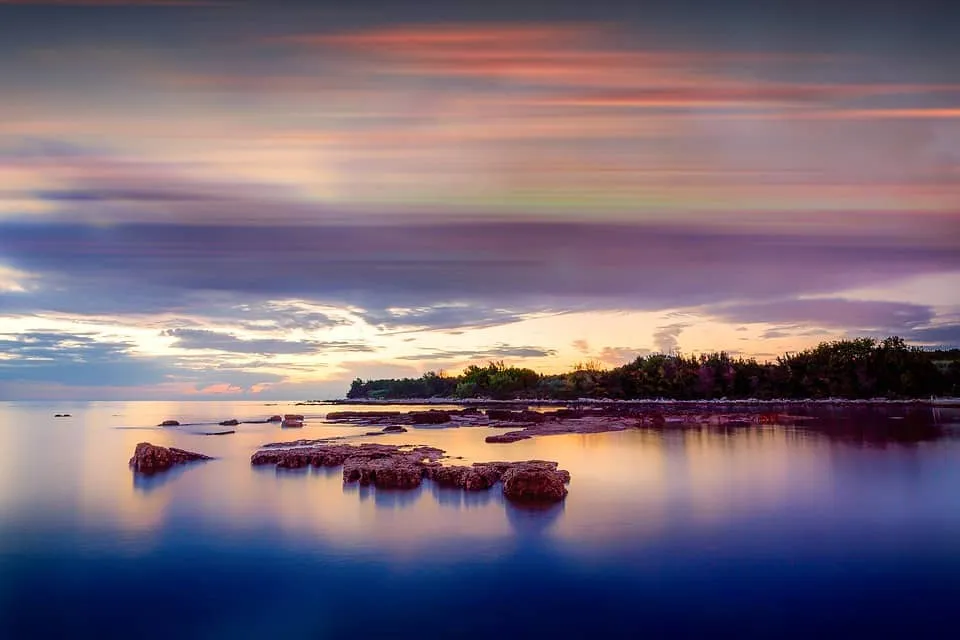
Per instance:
x=294, y=420
x=275, y=419
x=473, y=478
x=393, y=472
x=394, y=428
x=535, y=481
x=401, y=467
x=506, y=438
x=574, y=419
x=386, y=466
x=169, y=423
x=150, y=458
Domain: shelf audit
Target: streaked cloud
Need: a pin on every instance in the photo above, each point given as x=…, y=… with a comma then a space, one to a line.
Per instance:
x=116, y=3
x=76, y=360
x=217, y=341
x=854, y=315
x=491, y=353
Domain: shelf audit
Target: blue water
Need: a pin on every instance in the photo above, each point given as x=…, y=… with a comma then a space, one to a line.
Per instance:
x=772, y=532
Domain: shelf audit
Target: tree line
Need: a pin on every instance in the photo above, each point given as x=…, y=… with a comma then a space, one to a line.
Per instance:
x=853, y=369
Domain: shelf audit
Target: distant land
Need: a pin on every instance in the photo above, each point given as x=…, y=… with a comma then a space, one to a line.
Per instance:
x=854, y=369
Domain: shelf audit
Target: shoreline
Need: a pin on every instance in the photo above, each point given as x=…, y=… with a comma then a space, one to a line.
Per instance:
x=747, y=402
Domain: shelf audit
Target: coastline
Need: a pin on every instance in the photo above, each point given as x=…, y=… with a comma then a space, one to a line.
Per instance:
x=603, y=402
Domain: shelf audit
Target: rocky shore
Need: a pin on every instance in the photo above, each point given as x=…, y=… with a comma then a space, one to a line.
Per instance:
x=405, y=467
x=559, y=421
x=150, y=458
x=648, y=402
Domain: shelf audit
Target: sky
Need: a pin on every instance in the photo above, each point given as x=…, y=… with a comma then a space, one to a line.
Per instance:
x=248, y=199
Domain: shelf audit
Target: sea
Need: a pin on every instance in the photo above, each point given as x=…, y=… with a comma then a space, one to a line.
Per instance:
x=843, y=526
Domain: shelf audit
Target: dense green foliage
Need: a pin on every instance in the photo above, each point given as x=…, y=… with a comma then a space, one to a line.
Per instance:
x=860, y=368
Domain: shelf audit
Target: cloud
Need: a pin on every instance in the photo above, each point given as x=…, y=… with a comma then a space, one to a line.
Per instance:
x=115, y=3
x=464, y=315
x=834, y=313
x=542, y=54
x=69, y=359
x=945, y=336
x=618, y=74
x=581, y=345
x=498, y=271
x=32, y=361
x=666, y=338
x=497, y=352
x=616, y=356
x=217, y=341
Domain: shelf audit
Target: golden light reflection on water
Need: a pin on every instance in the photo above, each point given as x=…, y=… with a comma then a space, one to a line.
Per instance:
x=624, y=484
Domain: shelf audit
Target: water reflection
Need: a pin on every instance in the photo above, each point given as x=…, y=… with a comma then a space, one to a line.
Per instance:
x=529, y=521
x=151, y=482
x=456, y=498
x=631, y=485
x=397, y=498
x=659, y=527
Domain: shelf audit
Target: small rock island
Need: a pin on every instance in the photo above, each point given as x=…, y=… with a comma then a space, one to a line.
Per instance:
x=405, y=467
x=150, y=458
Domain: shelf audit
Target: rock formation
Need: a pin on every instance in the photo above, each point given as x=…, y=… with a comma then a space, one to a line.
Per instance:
x=169, y=423
x=528, y=424
x=292, y=420
x=393, y=428
x=150, y=458
x=535, y=481
x=404, y=467
x=506, y=438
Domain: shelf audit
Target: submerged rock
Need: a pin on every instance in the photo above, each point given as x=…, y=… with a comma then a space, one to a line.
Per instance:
x=365, y=416
x=504, y=415
x=429, y=417
x=169, y=423
x=506, y=438
x=151, y=458
x=400, y=467
x=394, y=428
x=230, y=423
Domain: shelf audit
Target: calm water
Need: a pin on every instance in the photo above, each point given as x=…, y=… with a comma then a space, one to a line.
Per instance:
x=773, y=532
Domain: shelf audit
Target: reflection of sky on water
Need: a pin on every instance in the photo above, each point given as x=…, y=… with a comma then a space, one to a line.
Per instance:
x=634, y=484
x=670, y=532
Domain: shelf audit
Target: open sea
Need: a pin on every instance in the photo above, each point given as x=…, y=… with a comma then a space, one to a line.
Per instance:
x=849, y=527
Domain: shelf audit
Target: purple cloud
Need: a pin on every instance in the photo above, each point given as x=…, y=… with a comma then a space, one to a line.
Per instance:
x=834, y=313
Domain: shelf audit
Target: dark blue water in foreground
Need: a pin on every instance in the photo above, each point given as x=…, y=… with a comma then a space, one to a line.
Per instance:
x=773, y=532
